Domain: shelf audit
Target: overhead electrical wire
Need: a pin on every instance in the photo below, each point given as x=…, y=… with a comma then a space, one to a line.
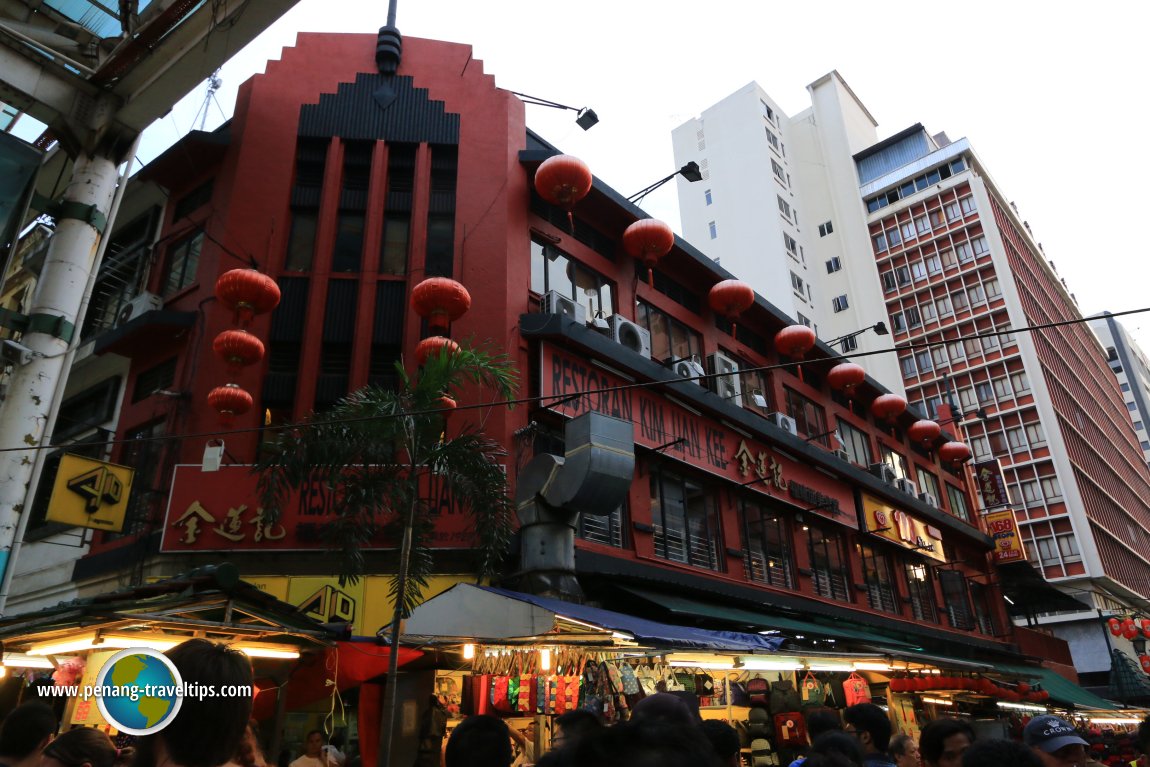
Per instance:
x=553, y=400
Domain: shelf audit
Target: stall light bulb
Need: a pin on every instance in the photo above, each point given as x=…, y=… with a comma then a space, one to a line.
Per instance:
x=545, y=659
x=468, y=651
x=3, y=671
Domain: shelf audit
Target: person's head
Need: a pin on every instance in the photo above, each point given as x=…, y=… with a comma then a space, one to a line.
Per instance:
x=207, y=731
x=250, y=754
x=645, y=742
x=903, y=750
x=664, y=707
x=313, y=743
x=479, y=741
x=838, y=743
x=820, y=720
x=870, y=725
x=573, y=726
x=1000, y=753
x=1055, y=742
x=27, y=730
x=724, y=739
x=84, y=747
x=944, y=741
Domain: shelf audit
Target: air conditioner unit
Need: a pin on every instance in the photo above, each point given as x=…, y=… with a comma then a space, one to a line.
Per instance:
x=907, y=486
x=555, y=302
x=883, y=471
x=928, y=499
x=626, y=333
x=726, y=381
x=688, y=368
x=843, y=455
x=145, y=302
x=785, y=422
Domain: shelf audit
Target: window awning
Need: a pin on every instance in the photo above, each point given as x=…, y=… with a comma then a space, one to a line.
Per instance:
x=1028, y=593
x=1060, y=688
x=685, y=606
x=480, y=613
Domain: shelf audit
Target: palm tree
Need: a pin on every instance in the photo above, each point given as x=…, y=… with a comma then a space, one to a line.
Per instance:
x=382, y=453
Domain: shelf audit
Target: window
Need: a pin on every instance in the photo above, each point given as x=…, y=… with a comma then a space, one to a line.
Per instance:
x=966, y=399
x=984, y=392
x=552, y=269
x=1031, y=493
x=967, y=204
x=778, y=171
x=957, y=500
x=839, y=303
x=958, y=297
x=938, y=356
x=1020, y=383
x=983, y=616
x=608, y=529
x=790, y=244
x=1035, y=435
x=908, y=369
x=956, y=599
x=931, y=405
x=1001, y=388
x=918, y=270
x=830, y=572
x=896, y=461
x=1016, y=437
x=993, y=289
x=767, y=111
x=964, y=252
x=979, y=245
x=301, y=241
x=393, y=250
x=879, y=242
x=922, y=224
x=948, y=259
x=183, y=259
x=928, y=483
x=920, y=590
x=670, y=339
x=1051, y=489
x=953, y=211
x=833, y=265
x=933, y=264
x=913, y=319
x=712, y=229
x=935, y=217
x=902, y=274
x=1068, y=547
x=810, y=418
x=980, y=448
x=855, y=442
x=879, y=579
x=977, y=294
x=955, y=351
x=923, y=360
x=825, y=229
x=888, y=283
x=849, y=344
x=908, y=232
x=803, y=320
x=707, y=196
x=1131, y=406
x=894, y=237
x=686, y=525
x=944, y=307
x=772, y=138
x=927, y=310
x=797, y=285
x=766, y=546
x=897, y=322
x=1138, y=426
x=346, y=255
x=784, y=207
x=989, y=343
x=1124, y=387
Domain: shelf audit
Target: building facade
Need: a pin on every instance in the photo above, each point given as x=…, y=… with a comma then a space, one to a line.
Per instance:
x=1132, y=369
x=922, y=232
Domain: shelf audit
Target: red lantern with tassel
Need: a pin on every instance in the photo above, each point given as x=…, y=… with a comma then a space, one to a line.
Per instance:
x=446, y=404
x=441, y=301
x=238, y=348
x=954, y=453
x=229, y=401
x=1115, y=627
x=563, y=181
x=247, y=293
x=434, y=345
x=846, y=377
x=731, y=298
x=924, y=431
x=1145, y=661
x=649, y=240
x=888, y=407
x=795, y=341
x=1129, y=628
x=1145, y=623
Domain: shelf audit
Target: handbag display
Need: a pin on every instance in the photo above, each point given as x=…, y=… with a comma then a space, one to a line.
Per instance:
x=856, y=690
x=813, y=691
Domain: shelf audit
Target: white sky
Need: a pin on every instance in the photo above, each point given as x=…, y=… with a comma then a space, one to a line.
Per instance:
x=1044, y=95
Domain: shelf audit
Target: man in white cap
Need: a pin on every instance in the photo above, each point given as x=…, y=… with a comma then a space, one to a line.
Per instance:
x=1055, y=741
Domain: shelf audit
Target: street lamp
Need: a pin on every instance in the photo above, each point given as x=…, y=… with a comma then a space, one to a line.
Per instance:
x=585, y=117
x=879, y=329
x=690, y=171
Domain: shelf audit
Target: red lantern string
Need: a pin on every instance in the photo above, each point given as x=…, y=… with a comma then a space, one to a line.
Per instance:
x=731, y=298
x=649, y=240
x=563, y=181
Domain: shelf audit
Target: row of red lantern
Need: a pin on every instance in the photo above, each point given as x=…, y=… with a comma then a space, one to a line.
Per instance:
x=441, y=301
x=981, y=685
x=246, y=293
x=1129, y=628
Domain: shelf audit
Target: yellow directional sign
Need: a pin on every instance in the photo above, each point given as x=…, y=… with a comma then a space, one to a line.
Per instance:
x=90, y=493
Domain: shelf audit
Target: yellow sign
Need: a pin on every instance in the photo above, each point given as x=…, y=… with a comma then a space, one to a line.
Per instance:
x=86, y=712
x=90, y=493
x=1004, y=530
x=900, y=528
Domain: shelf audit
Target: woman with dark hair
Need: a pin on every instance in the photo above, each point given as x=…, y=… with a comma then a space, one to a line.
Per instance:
x=208, y=731
x=85, y=747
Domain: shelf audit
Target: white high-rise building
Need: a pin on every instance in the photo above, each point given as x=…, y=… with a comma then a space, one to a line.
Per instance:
x=1132, y=368
x=911, y=230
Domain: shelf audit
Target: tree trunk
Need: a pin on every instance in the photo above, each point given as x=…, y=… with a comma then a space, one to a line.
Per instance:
x=392, y=694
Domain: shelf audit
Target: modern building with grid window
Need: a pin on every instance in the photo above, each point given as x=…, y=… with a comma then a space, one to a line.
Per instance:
x=1132, y=368
x=914, y=231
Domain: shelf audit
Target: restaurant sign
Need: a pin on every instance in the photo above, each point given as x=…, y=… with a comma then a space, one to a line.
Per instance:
x=220, y=511
x=991, y=485
x=1002, y=527
x=572, y=386
x=900, y=528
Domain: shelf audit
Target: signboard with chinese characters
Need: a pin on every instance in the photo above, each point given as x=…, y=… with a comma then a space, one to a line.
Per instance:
x=1002, y=527
x=704, y=443
x=86, y=712
x=991, y=485
x=89, y=493
x=220, y=511
x=900, y=528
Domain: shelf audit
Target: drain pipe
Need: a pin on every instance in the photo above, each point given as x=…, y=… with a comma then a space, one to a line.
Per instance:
x=592, y=477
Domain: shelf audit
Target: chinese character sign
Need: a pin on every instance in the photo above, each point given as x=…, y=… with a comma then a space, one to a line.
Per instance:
x=1004, y=530
x=991, y=485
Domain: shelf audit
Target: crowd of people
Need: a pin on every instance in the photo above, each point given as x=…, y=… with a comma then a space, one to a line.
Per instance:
x=663, y=731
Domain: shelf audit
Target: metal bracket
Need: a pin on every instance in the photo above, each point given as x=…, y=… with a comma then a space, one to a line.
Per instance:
x=53, y=325
x=89, y=214
x=13, y=320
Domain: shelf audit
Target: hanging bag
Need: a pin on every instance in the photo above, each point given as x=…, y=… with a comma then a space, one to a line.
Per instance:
x=856, y=690
x=758, y=690
x=784, y=697
x=813, y=691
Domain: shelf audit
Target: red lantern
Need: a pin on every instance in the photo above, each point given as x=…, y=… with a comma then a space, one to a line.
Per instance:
x=897, y=685
x=795, y=341
x=1115, y=627
x=924, y=431
x=1145, y=623
x=846, y=377
x=434, y=345
x=229, y=401
x=563, y=181
x=1129, y=628
x=247, y=293
x=649, y=240
x=446, y=404
x=954, y=452
x=731, y=298
x=1023, y=687
x=441, y=300
x=238, y=348
x=888, y=407
x=1045, y=695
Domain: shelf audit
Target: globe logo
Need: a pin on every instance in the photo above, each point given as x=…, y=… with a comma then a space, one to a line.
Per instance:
x=140, y=691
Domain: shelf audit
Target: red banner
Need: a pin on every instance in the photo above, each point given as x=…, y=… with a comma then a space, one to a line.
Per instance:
x=704, y=443
x=220, y=511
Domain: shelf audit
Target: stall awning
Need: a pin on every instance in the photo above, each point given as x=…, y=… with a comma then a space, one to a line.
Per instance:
x=1028, y=593
x=685, y=606
x=1060, y=688
x=489, y=614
